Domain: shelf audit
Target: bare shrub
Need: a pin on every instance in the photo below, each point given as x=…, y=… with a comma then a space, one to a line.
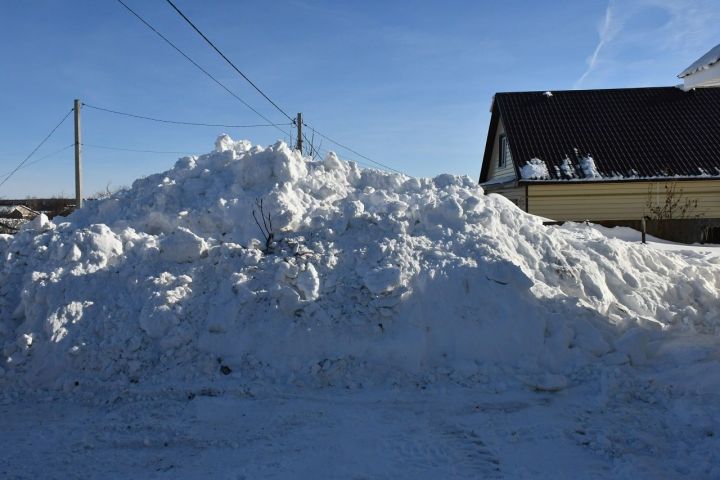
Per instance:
x=673, y=205
x=266, y=227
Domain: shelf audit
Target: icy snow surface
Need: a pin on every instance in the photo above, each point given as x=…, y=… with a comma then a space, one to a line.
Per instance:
x=396, y=327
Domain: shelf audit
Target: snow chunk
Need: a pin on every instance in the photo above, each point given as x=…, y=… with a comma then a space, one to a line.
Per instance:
x=332, y=162
x=308, y=283
x=381, y=280
x=41, y=222
x=182, y=245
x=535, y=169
x=587, y=164
x=225, y=143
x=567, y=168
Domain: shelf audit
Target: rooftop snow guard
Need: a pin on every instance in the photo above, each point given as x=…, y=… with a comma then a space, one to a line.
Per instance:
x=370, y=277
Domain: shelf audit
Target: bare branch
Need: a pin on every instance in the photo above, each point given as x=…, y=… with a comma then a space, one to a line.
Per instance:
x=267, y=231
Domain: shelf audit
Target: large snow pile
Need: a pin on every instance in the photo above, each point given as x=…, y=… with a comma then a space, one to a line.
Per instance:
x=370, y=277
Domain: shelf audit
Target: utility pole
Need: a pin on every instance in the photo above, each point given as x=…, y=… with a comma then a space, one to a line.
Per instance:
x=78, y=158
x=299, y=132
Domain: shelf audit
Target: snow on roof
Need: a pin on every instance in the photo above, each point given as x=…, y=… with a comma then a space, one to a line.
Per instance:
x=534, y=169
x=702, y=63
x=587, y=164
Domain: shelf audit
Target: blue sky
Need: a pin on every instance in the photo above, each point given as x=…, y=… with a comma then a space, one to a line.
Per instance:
x=407, y=83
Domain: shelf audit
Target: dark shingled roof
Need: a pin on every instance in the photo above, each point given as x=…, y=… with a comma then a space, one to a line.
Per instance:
x=631, y=133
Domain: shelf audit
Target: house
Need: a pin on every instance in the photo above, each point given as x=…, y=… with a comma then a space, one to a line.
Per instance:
x=20, y=212
x=612, y=156
x=13, y=216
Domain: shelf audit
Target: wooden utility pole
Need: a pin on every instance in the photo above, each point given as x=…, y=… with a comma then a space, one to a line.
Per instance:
x=299, y=132
x=78, y=158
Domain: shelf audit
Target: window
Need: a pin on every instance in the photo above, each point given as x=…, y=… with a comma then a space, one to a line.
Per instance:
x=504, y=158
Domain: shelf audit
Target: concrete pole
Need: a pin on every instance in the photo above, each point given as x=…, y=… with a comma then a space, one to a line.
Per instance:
x=78, y=157
x=299, y=132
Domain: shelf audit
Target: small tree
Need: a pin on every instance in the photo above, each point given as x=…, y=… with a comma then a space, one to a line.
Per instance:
x=674, y=204
x=266, y=228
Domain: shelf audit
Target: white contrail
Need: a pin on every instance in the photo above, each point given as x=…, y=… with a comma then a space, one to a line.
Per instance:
x=606, y=34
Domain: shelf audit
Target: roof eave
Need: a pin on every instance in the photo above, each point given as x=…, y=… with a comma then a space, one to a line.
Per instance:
x=489, y=141
x=554, y=181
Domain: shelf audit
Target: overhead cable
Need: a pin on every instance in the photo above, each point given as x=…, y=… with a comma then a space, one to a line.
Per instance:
x=124, y=149
x=227, y=59
x=197, y=30
x=218, y=82
x=51, y=154
x=19, y=166
x=353, y=151
x=178, y=122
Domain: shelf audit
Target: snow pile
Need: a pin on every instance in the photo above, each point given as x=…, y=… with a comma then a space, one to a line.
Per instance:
x=568, y=168
x=534, y=169
x=587, y=165
x=368, y=277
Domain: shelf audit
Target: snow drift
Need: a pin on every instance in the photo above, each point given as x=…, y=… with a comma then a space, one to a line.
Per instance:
x=371, y=272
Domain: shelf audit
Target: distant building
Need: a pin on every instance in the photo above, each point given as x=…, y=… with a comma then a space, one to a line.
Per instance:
x=12, y=217
x=608, y=155
x=17, y=212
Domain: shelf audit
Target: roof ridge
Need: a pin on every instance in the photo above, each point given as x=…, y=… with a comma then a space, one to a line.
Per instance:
x=588, y=90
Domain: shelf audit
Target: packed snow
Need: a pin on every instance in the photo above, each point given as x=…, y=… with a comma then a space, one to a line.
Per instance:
x=588, y=167
x=534, y=169
x=568, y=169
x=272, y=316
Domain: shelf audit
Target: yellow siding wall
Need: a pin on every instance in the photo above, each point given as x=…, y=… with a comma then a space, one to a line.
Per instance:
x=496, y=174
x=617, y=201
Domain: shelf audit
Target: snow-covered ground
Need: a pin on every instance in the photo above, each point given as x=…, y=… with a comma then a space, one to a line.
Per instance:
x=707, y=251
x=392, y=327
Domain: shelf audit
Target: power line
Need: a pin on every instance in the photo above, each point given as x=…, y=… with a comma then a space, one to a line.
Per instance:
x=123, y=149
x=319, y=151
x=249, y=81
x=314, y=150
x=227, y=59
x=323, y=152
x=178, y=122
x=51, y=154
x=353, y=151
x=177, y=49
x=9, y=175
